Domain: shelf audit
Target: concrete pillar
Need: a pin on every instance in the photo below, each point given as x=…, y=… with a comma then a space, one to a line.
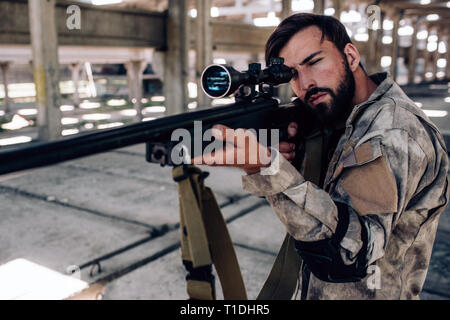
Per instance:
x=75, y=68
x=176, y=66
x=44, y=43
x=427, y=58
x=286, y=9
x=319, y=6
x=379, y=46
x=285, y=90
x=6, y=104
x=338, y=6
x=413, y=52
x=397, y=16
x=447, y=55
x=90, y=78
x=426, y=64
x=203, y=48
x=442, y=39
x=435, y=56
x=135, y=70
x=371, y=56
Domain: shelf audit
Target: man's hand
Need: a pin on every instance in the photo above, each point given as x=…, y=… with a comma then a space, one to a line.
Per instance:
x=288, y=149
x=241, y=150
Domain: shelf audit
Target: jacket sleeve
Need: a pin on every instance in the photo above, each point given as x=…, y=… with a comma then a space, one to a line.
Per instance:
x=339, y=234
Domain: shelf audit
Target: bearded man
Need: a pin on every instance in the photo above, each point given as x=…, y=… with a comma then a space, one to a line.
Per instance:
x=384, y=176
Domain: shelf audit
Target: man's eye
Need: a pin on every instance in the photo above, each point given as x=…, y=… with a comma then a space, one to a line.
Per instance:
x=314, y=62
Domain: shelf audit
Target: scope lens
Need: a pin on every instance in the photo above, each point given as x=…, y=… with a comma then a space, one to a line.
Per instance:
x=216, y=81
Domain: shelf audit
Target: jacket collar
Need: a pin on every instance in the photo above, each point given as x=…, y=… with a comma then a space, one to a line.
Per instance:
x=384, y=82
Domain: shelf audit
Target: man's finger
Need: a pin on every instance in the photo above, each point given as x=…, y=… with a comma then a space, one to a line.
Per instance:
x=240, y=137
x=288, y=155
x=221, y=157
x=220, y=131
x=292, y=129
x=286, y=147
x=199, y=160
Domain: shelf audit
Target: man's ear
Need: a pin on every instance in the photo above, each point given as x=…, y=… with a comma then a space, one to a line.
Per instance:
x=353, y=56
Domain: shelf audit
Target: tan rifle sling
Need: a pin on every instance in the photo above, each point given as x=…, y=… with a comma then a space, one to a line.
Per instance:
x=205, y=239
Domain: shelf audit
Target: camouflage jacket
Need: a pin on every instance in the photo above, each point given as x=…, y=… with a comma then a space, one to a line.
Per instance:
x=369, y=232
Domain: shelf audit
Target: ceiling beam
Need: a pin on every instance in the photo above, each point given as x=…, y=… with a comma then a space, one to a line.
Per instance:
x=99, y=26
x=421, y=12
x=123, y=28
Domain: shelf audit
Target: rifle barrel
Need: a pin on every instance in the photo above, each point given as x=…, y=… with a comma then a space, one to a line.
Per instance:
x=39, y=154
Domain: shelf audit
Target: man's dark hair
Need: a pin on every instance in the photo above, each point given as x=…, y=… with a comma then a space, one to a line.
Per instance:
x=332, y=30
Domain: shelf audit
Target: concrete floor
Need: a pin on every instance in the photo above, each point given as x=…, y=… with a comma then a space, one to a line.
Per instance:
x=79, y=211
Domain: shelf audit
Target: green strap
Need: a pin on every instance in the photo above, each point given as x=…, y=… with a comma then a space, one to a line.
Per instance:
x=222, y=250
x=282, y=280
x=313, y=157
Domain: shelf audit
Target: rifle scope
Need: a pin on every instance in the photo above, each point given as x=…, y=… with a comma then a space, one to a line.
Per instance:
x=220, y=80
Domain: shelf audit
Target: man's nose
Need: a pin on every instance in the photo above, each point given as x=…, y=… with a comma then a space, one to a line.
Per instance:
x=304, y=83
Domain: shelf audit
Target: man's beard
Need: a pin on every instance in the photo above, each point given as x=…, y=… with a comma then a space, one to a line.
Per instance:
x=340, y=106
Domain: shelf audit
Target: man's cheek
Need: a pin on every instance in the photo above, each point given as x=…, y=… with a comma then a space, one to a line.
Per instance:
x=329, y=77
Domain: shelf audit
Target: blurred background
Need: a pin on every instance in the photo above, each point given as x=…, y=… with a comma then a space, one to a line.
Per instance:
x=77, y=66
